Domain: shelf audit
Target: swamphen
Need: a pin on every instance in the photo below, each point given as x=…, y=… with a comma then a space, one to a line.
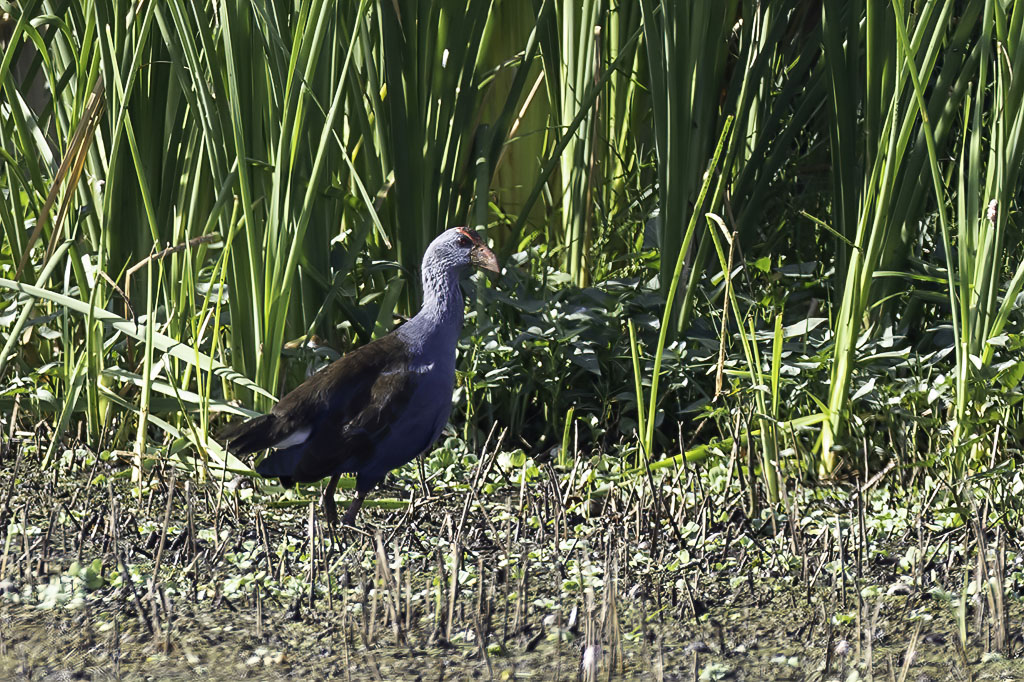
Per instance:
x=382, y=404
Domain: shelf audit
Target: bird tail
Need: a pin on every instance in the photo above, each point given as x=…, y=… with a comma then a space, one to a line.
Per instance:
x=258, y=433
x=280, y=464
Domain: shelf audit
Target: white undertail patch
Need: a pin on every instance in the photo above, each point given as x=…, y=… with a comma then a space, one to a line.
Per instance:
x=294, y=438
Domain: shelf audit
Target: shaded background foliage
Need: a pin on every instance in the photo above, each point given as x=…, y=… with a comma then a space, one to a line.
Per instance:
x=192, y=187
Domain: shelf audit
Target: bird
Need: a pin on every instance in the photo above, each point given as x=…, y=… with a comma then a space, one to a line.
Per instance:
x=380, y=405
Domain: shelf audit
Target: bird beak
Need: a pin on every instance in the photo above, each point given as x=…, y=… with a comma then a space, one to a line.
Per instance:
x=483, y=258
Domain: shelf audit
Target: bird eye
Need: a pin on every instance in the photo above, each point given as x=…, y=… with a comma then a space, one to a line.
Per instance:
x=465, y=242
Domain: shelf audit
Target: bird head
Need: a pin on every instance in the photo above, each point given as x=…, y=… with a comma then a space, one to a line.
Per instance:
x=459, y=248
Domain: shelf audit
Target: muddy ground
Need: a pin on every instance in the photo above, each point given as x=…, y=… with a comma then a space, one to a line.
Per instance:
x=102, y=579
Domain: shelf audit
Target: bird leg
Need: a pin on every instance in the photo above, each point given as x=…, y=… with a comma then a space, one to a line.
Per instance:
x=327, y=501
x=350, y=515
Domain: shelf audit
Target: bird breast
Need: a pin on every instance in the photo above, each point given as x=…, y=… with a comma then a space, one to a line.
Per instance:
x=423, y=418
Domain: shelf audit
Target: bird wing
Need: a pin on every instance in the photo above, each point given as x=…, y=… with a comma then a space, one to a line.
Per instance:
x=335, y=419
x=335, y=413
x=337, y=395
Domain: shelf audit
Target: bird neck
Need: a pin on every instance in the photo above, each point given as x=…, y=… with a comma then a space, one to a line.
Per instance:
x=441, y=312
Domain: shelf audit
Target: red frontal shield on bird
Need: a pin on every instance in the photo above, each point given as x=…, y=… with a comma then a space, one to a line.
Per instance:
x=481, y=256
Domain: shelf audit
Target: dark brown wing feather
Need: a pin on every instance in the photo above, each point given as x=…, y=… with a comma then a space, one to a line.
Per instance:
x=328, y=400
x=346, y=407
x=345, y=386
x=349, y=437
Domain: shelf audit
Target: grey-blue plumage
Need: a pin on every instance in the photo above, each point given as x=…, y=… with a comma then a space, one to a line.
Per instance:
x=379, y=406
